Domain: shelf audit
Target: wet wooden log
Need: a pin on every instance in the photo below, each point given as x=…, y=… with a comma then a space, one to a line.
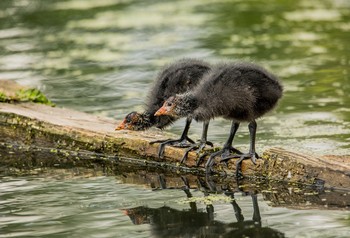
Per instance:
x=57, y=136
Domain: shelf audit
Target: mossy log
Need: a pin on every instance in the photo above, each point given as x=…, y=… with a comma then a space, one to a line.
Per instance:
x=53, y=136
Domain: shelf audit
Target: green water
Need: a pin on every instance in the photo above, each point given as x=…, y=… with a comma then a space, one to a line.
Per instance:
x=68, y=205
x=100, y=56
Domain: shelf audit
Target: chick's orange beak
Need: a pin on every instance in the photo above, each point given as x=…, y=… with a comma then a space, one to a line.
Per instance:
x=121, y=126
x=161, y=111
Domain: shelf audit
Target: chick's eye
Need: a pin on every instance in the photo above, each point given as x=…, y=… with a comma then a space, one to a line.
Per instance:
x=169, y=104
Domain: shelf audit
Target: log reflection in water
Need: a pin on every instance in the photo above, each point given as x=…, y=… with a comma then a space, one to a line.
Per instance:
x=193, y=222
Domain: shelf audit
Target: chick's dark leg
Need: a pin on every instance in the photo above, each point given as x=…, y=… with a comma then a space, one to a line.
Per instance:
x=252, y=155
x=226, y=150
x=182, y=142
x=201, y=144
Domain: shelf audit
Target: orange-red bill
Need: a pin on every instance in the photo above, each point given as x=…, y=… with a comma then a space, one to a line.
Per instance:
x=161, y=111
x=125, y=211
x=121, y=126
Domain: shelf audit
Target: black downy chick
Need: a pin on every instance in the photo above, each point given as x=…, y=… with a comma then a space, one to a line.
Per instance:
x=235, y=91
x=177, y=77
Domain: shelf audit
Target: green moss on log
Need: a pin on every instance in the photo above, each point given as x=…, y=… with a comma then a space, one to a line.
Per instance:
x=33, y=95
x=26, y=95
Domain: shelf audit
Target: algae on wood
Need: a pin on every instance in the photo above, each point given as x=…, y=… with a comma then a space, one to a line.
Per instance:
x=11, y=92
x=58, y=133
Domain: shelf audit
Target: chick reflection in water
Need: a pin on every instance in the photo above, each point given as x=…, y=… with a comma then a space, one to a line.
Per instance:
x=169, y=222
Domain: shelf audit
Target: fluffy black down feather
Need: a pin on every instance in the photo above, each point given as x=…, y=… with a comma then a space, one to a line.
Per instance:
x=175, y=78
x=238, y=91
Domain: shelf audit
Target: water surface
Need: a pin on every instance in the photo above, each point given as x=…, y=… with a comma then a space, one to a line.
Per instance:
x=101, y=56
x=68, y=205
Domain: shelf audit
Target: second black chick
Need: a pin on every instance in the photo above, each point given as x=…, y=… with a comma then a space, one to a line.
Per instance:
x=238, y=92
x=175, y=78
